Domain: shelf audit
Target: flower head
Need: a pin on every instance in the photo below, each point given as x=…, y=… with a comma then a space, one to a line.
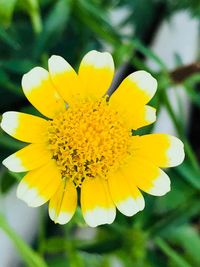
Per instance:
x=86, y=141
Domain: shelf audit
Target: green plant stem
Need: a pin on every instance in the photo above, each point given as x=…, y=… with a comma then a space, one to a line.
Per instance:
x=31, y=258
x=174, y=256
x=179, y=127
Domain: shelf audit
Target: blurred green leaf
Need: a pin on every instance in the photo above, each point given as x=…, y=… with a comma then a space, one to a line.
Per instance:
x=18, y=66
x=33, y=10
x=171, y=253
x=96, y=18
x=190, y=174
x=8, y=39
x=30, y=257
x=148, y=53
x=191, y=90
x=6, y=181
x=6, y=11
x=54, y=25
x=187, y=237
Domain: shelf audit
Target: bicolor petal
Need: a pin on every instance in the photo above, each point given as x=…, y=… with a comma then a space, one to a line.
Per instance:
x=130, y=98
x=147, y=177
x=39, y=185
x=163, y=150
x=96, y=203
x=63, y=203
x=96, y=73
x=24, y=127
x=136, y=89
x=28, y=158
x=125, y=195
x=65, y=79
x=142, y=117
x=40, y=92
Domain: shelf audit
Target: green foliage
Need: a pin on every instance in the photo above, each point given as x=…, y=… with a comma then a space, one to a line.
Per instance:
x=166, y=233
x=30, y=257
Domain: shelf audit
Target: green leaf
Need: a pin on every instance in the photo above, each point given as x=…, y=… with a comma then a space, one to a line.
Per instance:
x=188, y=238
x=30, y=257
x=54, y=25
x=15, y=65
x=6, y=11
x=149, y=53
x=171, y=253
x=6, y=181
x=190, y=174
x=96, y=18
x=34, y=12
x=190, y=87
x=8, y=39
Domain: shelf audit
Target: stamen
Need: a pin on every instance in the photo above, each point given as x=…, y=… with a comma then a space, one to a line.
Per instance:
x=88, y=140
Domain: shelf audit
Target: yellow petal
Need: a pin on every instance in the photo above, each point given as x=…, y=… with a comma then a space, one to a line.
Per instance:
x=125, y=195
x=28, y=158
x=96, y=203
x=141, y=117
x=65, y=79
x=161, y=149
x=135, y=90
x=39, y=185
x=39, y=90
x=96, y=73
x=130, y=98
x=147, y=177
x=25, y=127
x=63, y=203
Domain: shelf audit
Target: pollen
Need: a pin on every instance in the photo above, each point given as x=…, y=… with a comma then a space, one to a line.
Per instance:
x=88, y=140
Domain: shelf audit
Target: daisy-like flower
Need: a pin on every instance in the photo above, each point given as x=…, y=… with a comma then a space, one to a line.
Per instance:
x=86, y=142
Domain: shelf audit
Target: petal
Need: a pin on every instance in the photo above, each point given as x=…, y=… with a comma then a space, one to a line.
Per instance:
x=96, y=203
x=39, y=185
x=147, y=177
x=63, y=204
x=136, y=117
x=130, y=99
x=25, y=127
x=28, y=158
x=39, y=90
x=136, y=89
x=141, y=117
x=64, y=78
x=96, y=73
x=161, y=149
x=125, y=195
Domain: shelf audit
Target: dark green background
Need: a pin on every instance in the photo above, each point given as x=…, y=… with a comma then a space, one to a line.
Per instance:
x=166, y=233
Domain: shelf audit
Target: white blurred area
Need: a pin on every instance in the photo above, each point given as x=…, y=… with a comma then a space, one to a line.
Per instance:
x=177, y=35
x=23, y=220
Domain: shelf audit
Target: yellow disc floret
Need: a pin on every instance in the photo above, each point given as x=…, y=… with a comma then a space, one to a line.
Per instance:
x=88, y=140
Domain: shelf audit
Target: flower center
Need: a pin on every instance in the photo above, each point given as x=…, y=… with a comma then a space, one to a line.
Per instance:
x=88, y=140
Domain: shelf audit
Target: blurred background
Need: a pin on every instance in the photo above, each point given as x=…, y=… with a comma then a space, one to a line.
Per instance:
x=160, y=36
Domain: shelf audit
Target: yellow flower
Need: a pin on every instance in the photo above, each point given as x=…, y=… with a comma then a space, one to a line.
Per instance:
x=87, y=141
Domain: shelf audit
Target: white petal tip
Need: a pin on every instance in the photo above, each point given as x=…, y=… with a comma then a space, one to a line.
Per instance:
x=175, y=152
x=58, y=64
x=9, y=122
x=33, y=78
x=14, y=164
x=99, y=216
x=61, y=218
x=150, y=114
x=162, y=185
x=145, y=81
x=98, y=59
x=131, y=206
x=29, y=195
